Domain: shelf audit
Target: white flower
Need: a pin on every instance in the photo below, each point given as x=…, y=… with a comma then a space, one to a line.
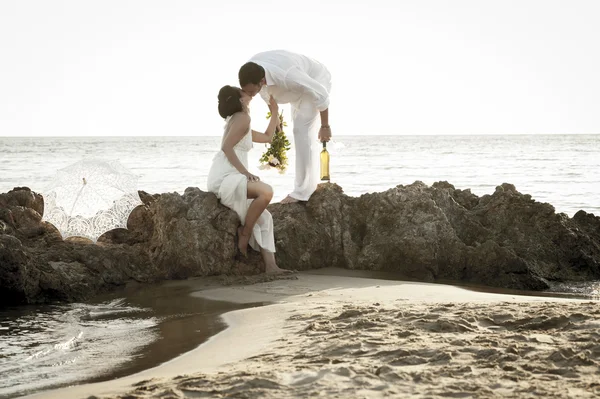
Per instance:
x=273, y=160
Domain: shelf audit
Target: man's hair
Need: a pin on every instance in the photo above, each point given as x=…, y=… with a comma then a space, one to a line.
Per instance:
x=251, y=73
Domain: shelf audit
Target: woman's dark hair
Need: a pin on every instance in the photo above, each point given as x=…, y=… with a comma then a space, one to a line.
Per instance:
x=251, y=73
x=229, y=101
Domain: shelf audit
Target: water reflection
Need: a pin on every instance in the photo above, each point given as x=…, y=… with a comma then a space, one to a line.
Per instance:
x=114, y=335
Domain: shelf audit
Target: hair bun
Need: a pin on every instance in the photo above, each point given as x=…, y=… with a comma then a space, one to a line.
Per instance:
x=229, y=101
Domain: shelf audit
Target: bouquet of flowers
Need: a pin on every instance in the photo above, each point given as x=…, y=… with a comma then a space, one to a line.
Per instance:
x=275, y=155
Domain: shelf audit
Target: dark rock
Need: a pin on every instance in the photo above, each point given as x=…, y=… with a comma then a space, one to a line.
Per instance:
x=192, y=234
x=312, y=235
x=435, y=233
x=22, y=196
x=18, y=277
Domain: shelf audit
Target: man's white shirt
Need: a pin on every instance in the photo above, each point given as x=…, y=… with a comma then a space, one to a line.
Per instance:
x=291, y=77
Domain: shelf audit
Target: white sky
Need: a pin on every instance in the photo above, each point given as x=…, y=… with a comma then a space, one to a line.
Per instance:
x=150, y=67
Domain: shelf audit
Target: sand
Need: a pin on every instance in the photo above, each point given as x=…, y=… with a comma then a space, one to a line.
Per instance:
x=347, y=337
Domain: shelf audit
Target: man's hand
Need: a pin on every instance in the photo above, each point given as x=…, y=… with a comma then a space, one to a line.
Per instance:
x=324, y=134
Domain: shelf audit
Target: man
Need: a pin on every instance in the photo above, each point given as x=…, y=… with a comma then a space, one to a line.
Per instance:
x=304, y=83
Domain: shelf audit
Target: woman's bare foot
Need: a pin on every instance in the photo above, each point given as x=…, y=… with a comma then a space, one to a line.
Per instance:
x=243, y=240
x=275, y=270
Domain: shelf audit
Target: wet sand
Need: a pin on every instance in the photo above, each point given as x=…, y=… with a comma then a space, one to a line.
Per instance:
x=104, y=339
x=340, y=336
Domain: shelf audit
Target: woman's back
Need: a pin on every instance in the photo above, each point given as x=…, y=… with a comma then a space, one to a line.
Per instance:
x=245, y=144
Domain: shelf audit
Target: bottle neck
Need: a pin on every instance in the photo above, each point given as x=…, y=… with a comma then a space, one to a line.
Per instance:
x=324, y=144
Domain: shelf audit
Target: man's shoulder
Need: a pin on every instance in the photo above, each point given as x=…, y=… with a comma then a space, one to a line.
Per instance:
x=273, y=54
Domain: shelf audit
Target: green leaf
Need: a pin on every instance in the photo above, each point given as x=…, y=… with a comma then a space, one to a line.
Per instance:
x=279, y=146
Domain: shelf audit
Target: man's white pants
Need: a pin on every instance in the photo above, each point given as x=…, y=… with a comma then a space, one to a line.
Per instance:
x=307, y=122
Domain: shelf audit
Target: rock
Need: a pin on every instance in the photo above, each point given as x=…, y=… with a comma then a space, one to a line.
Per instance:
x=192, y=234
x=18, y=278
x=554, y=246
x=22, y=196
x=311, y=236
x=426, y=233
x=419, y=231
x=587, y=223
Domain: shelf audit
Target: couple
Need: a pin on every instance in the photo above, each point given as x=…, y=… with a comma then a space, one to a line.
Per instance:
x=280, y=77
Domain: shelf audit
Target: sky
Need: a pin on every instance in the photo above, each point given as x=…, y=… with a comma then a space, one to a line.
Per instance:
x=154, y=68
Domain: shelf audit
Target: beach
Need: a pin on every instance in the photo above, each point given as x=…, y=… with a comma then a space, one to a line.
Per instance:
x=345, y=336
x=431, y=190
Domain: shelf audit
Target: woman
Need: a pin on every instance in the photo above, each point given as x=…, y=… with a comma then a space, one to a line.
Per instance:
x=234, y=185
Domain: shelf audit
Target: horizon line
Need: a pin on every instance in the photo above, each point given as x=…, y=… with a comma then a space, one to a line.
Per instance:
x=335, y=135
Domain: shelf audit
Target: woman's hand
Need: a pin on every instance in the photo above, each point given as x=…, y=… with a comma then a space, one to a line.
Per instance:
x=273, y=106
x=251, y=177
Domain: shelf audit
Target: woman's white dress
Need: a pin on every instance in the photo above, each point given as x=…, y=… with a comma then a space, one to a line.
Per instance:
x=231, y=187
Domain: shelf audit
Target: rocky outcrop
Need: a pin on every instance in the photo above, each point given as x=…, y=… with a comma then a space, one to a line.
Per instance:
x=427, y=233
x=439, y=233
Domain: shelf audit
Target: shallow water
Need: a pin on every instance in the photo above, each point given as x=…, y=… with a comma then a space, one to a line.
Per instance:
x=57, y=345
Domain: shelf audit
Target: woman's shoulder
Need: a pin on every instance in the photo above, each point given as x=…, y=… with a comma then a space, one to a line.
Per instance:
x=241, y=117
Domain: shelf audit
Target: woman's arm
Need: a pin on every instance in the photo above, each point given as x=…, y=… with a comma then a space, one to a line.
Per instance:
x=267, y=136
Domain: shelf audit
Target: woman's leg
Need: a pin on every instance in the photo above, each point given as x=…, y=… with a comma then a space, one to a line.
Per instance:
x=262, y=194
x=270, y=264
x=269, y=258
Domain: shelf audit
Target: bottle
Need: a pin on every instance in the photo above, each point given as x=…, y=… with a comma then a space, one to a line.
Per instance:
x=324, y=163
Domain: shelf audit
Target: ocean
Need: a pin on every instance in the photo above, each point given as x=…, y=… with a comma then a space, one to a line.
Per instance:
x=559, y=169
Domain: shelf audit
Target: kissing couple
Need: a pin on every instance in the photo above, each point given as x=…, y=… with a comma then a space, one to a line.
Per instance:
x=281, y=77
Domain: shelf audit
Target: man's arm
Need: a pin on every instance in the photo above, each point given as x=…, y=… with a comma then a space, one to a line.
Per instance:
x=299, y=81
x=325, y=130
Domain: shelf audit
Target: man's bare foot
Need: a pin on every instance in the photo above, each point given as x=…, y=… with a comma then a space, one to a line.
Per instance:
x=275, y=270
x=289, y=200
x=243, y=240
